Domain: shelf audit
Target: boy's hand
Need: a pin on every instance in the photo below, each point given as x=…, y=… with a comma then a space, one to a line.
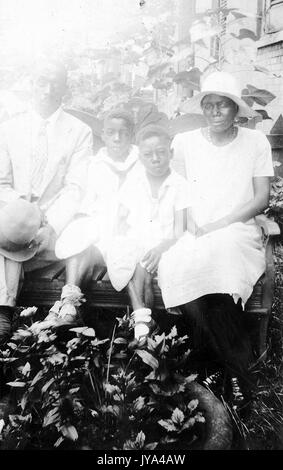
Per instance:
x=151, y=259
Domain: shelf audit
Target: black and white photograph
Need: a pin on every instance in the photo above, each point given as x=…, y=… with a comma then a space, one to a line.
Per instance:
x=141, y=221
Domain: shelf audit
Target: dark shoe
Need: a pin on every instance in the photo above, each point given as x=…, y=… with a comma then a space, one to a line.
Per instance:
x=6, y=317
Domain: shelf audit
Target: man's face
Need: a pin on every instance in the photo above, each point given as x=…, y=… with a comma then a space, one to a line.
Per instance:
x=155, y=155
x=48, y=89
x=219, y=112
x=117, y=137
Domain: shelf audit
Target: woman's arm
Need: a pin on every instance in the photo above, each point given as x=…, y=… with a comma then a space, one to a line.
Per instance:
x=245, y=212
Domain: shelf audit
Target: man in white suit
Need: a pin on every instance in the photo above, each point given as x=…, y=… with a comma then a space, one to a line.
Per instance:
x=43, y=159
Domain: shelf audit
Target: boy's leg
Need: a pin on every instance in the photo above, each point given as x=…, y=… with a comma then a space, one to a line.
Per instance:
x=79, y=271
x=80, y=268
x=141, y=296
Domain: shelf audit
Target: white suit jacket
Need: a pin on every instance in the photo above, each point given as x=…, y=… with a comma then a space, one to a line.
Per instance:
x=65, y=174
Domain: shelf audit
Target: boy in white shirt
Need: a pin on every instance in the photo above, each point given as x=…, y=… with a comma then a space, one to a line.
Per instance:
x=84, y=242
x=150, y=220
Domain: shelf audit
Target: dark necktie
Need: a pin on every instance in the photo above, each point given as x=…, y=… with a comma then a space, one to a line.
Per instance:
x=39, y=159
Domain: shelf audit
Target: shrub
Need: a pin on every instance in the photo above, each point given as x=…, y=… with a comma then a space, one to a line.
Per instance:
x=86, y=392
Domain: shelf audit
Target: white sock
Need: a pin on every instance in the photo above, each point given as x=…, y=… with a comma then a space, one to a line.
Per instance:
x=141, y=317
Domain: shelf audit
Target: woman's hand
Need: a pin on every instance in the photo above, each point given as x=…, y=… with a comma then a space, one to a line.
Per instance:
x=210, y=228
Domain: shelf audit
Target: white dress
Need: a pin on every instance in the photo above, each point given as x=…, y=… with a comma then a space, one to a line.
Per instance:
x=228, y=260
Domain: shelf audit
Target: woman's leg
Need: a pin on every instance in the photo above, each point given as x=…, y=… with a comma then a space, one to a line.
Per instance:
x=225, y=321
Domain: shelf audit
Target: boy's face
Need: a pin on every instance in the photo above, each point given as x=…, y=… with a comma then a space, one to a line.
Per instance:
x=117, y=137
x=155, y=155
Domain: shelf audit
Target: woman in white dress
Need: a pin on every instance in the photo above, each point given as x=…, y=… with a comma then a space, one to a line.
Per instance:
x=211, y=271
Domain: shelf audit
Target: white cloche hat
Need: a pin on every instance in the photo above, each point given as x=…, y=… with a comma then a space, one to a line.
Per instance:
x=223, y=84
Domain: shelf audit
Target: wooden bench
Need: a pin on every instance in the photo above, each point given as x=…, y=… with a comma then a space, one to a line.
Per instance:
x=43, y=287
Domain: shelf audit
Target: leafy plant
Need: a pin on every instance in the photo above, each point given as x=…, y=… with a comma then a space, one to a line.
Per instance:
x=99, y=394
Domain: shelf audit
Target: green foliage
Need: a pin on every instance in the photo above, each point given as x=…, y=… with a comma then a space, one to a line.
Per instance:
x=99, y=393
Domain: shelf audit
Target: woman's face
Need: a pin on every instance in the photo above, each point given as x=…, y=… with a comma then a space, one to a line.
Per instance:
x=219, y=112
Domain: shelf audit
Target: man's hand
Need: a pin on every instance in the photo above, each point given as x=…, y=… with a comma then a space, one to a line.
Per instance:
x=43, y=237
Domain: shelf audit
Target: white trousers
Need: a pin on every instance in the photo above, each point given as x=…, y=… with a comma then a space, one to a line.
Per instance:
x=12, y=274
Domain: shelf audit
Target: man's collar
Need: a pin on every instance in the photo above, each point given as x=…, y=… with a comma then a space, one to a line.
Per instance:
x=52, y=119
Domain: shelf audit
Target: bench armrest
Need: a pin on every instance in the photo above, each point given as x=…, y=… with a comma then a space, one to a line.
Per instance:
x=270, y=227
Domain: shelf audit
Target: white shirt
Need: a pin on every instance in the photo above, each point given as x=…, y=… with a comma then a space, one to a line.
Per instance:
x=150, y=219
x=37, y=121
x=105, y=176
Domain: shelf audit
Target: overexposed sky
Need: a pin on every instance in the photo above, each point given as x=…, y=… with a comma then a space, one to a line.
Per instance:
x=28, y=25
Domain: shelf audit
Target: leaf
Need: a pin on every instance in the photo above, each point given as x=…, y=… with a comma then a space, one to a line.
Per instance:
x=167, y=424
x=177, y=416
x=238, y=14
x=28, y=312
x=114, y=410
x=52, y=417
x=89, y=332
x=173, y=333
x=245, y=33
x=57, y=358
x=199, y=418
x=264, y=114
x=2, y=424
x=111, y=388
x=16, y=384
x=189, y=423
x=26, y=369
x=59, y=441
x=259, y=96
x=140, y=439
x=190, y=378
x=79, y=329
x=147, y=358
x=120, y=341
x=37, y=377
x=190, y=79
x=151, y=446
x=69, y=432
x=139, y=403
x=193, y=405
x=156, y=69
x=24, y=401
x=47, y=385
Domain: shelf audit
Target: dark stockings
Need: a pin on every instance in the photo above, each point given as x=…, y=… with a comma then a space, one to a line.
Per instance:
x=217, y=331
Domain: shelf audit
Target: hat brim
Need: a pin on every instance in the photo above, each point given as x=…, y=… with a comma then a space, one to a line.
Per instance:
x=193, y=105
x=21, y=255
